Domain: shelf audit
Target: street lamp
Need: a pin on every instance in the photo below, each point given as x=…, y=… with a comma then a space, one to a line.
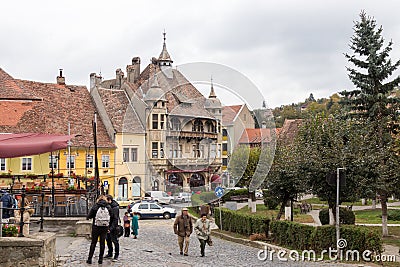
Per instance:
x=337, y=205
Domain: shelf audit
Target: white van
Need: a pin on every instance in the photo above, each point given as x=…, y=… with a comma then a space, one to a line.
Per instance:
x=160, y=197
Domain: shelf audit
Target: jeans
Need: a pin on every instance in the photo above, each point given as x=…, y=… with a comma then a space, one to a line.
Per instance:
x=202, y=246
x=98, y=231
x=112, y=239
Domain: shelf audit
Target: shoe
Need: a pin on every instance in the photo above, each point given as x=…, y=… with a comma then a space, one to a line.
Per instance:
x=185, y=254
x=135, y=237
x=202, y=255
x=89, y=261
x=100, y=261
x=115, y=260
x=108, y=256
x=181, y=253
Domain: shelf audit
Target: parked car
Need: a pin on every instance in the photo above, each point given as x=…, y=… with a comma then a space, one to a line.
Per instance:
x=122, y=202
x=160, y=197
x=153, y=210
x=129, y=207
x=182, y=197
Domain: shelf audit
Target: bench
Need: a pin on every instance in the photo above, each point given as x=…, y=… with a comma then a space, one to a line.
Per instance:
x=240, y=198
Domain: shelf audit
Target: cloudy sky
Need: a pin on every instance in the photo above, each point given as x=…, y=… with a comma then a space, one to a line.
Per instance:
x=288, y=49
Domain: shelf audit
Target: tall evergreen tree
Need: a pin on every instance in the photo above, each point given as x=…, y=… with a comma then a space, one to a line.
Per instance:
x=372, y=104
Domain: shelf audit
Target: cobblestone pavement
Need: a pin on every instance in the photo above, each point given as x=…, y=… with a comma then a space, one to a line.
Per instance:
x=157, y=246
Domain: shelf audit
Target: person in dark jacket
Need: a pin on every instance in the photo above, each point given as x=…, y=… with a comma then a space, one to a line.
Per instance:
x=112, y=235
x=7, y=204
x=183, y=228
x=98, y=231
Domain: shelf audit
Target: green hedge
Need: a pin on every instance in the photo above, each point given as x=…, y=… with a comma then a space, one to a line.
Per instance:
x=302, y=237
x=346, y=216
x=241, y=223
x=393, y=215
x=270, y=200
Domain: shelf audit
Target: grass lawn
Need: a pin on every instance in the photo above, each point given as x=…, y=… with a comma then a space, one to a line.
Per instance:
x=263, y=210
x=371, y=216
x=316, y=200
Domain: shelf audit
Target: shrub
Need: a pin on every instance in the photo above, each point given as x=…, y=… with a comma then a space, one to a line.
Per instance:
x=305, y=237
x=244, y=224
x=394, y=215
x=203, y=198
x=346, y=216
x=270, y=201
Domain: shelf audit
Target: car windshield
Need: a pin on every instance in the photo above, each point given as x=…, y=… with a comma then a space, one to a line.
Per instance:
x=176, y=195
x=165, y=194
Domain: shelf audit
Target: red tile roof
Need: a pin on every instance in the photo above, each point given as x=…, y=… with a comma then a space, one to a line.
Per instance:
x=58, y=105
x=229, y=113
x=257, y=136
x=289, y=130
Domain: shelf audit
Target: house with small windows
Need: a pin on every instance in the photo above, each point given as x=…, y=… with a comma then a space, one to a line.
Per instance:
x=168, y=135
x=55, y=108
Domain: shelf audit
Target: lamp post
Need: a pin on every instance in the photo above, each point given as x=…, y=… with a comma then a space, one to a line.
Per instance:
x=52, y=185
x=96, y=163
x=337, y=205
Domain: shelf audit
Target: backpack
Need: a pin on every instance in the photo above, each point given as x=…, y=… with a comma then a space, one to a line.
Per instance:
x=102, y=217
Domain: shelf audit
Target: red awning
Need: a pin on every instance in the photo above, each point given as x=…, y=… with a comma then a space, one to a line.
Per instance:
x=25, y=144
x=215, y=178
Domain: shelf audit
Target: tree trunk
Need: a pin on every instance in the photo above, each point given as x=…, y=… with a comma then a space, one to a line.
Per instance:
x=385, y=231
x=281, y=210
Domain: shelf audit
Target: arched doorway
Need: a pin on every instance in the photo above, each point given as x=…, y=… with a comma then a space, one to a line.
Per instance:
x=156, y=185
x=123, y=188
x=174, y=183
x=196, y=180
x=136, y=186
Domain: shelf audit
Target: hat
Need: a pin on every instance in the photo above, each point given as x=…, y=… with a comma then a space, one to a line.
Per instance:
x=184, y=209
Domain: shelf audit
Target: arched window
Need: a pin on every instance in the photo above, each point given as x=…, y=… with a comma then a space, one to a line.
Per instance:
x=197, y=126
x=176, y=124
x=156, y=185
x=123, y=188
x=224, y=132
x=136, y=186
x=196, y=180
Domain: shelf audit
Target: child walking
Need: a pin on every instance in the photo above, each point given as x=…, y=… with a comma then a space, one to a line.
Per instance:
x=127, y=224
x=135, y=225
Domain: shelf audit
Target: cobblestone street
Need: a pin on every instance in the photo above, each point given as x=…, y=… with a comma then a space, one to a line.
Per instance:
x=157, y=246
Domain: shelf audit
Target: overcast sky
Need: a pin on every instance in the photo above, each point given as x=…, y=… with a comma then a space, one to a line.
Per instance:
x=288, y=49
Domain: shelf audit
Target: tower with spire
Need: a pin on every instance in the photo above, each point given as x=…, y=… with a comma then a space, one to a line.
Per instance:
x=213, y=104
x=164, y=60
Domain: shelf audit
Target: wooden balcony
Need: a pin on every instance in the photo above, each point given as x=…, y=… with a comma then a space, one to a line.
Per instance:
x=190, y=134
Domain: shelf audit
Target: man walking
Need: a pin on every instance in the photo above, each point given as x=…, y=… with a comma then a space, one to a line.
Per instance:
x=183, y=227
x=112, y=235
x=202, y=228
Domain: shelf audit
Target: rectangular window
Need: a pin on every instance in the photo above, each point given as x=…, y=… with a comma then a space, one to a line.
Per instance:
x=125, y=154
x=180, y=151
x=89, y=161
x=224, y=147
x=219, y=151
x=213, y=151
x=134, y=154
x=224, y=162
x=26, y=164
x=71, y=162
x=154, y=150
x=161, y=150
x=3, y=165
x=105, y=161
x=155, y=121
x=162, y=121
x=53, y=161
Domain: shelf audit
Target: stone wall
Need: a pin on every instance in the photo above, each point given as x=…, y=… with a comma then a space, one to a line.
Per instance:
x=37, y=250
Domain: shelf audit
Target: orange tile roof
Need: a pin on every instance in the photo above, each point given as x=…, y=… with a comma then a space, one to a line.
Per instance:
x=256, y=136
x=54, y=106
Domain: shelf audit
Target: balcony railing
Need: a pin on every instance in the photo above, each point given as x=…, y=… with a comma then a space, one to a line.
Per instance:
x=194, y=161
x=190, y=134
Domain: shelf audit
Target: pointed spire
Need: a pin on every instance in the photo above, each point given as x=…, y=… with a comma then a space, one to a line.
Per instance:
x=164, y=56
x=212, y=93
x=263, y=104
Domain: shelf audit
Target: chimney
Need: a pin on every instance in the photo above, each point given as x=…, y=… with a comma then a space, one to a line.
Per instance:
x=119, y=75
x=133, y=71
x=263, y=124
x=92, y=80
x=61, y=79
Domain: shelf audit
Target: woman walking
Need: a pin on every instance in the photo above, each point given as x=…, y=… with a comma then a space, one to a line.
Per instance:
x=135, y=225
x=202, y=229
x=102, y=215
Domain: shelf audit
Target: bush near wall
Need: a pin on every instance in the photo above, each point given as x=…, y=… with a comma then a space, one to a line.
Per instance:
x=346, y=216
x=302, y=237
x=244, y=224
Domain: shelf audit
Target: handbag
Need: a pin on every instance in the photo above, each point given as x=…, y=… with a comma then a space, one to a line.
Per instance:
x=209, y=241
x=120, y=230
